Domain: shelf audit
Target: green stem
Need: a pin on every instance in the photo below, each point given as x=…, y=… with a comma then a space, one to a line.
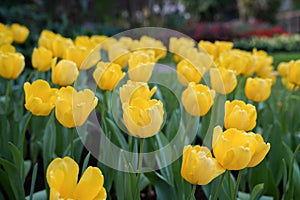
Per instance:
x=7, y=95
x=237, y=185
x=72, y=142
x=24, y=132
x=130, y=138
x=192, y=196
x=219, y=186
x=137, y=194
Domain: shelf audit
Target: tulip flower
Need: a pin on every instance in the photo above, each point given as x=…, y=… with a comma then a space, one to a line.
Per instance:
x=235, y=149
x=108, y=75
x=11, y=65
x=20, y=32
x=60, y=44
x=258, y=89
x=187, y=72
x=132, y=89
x=64, y=73
x=7, y=48
x=294, y=72
x=46, y=38
x=40, y=98
x=143, y=118
x=197, y=99
x=42, y=59
x=118, y=54
x=77, y=54
x=62, y=176
x=239, y=115
x=84, y=41
x=222, y=80
x=140, y=65
x=198, y=165
x=209, y=47
x=72, y=107
x=6, y=35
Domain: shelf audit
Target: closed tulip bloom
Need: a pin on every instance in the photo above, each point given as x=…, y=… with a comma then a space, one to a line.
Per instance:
x=60, y=44
x=258, y=89
x=222, y=80
x=187, y=72
x=132, y=90
x=84, y=41
x=239, y=115
x=7, y=48
x=11, y=65
x=72, y=107
x=197, y=99
x=294, y=73
x=62, y=176
x=108, y=75
x=209, y=47
x=46, y=38
x=6, y=35
x=64, y=73
x=42, y=59
x=235, y=149
x=76, y=54
x=283, y=68
x=20, y=32
x=143, y=118
x=198, y=165
x=118, y=54
x=39, y=97
x=140, y=65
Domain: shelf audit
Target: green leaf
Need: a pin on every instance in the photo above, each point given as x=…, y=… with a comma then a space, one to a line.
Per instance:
x=17, y=160
x=41, y=195
x=4, y=136
x=4, y=184
x=27, y=166
x=85, y=163
x=34, y=174
x=117, y=136
x=257, y=191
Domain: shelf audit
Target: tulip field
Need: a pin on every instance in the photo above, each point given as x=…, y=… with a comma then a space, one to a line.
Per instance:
x=148, y=113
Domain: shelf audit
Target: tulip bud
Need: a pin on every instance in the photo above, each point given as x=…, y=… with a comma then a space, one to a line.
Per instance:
x=108, y=75
x=258, y=89
x=11, y=65
x=239, y=115
x=198, y=165
x=197, y=99
x=64, y=73
x=187, y=72
x=20, y=33
x=222, y=80
x=294, y=73
x=42, y=59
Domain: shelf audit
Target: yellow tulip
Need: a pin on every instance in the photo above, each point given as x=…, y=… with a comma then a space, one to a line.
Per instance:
x=7, y=48
x=46, y=38
x=60, y=44
x=39, y=97
x=20, y=32
x=107, y=43
x=283, y=68
x=239, y=115
x=98, y=39
x=64, y=73
x=198, y=165
x=72, y=107
x=222, y=80
x=118, y=54
x=62, y=176
x=197, y=99
x=179, y=45
x=235, y=149
x=132, y=90
x=11, y=65
x=42, y=59
x=108, y=75
x=149, y=43
x=6, y=35
x=232, y=60
x=258, y=89
x=140, y=65
x=208, y=47
x=187, y=72
x=143, y=118
x=223, y=46
x=84, y=41
x=125, y=41
x=294, y=73
x=77, y=54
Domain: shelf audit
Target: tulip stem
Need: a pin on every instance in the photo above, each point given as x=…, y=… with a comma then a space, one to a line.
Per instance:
x=237, y=185
x=24, y=132
x=219, y=186
x=72, y=143
x=140, y=163
x=7, y=95
x=192, y=197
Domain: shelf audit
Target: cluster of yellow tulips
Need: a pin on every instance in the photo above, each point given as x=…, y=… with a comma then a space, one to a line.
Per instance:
x=245, y=77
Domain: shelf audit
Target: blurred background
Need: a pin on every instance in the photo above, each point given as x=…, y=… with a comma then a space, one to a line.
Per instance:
x=262, y=24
